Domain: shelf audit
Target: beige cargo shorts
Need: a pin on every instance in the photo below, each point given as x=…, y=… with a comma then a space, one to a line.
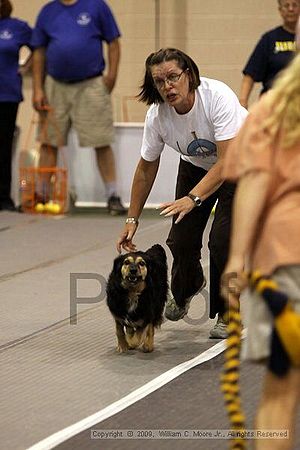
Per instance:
x=86, y=106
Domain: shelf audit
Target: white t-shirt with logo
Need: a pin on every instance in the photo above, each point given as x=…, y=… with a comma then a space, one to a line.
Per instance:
x=215, y=116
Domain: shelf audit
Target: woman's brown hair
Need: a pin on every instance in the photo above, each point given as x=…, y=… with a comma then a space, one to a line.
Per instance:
x=149, y=93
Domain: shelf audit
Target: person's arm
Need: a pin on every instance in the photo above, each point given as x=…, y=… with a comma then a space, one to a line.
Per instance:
x=207, y=186
x=113, y=59
x=246, y=89
x=143, y=180
x=249, y=202
x=25, y=66
x=38, y=75
x=256, y=69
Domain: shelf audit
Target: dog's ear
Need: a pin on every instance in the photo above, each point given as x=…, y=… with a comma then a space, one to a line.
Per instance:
x=114, y=280
x=115, y=274
x=118, y=261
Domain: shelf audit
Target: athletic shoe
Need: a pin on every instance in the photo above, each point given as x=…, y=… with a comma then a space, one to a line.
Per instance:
x=7, y=205
x=174, y=312
x=115, y=207
x=219, y=330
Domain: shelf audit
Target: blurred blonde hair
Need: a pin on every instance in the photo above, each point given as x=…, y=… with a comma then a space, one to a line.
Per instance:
x=285, y=105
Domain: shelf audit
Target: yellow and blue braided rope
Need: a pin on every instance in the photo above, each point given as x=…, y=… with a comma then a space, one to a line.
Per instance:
x=230, y=380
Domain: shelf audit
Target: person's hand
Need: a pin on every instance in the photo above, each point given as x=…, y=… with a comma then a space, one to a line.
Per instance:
x=22, y=70
x=182, y=206
x=39, y=101
x=244, y=103
x=125, y=240
x=233, y=281
x=109, y=82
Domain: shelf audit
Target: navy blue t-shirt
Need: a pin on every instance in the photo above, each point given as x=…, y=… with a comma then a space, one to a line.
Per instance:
x=272, y=54
x=14, y=34
x=72, y=36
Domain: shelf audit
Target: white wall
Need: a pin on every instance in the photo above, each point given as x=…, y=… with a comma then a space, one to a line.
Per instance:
x=86, y=183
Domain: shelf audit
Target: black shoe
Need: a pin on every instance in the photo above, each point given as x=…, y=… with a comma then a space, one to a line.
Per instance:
x=7, y=205
x=115, y=207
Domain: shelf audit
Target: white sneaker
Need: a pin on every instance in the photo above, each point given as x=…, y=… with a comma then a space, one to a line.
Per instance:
x=219, y=330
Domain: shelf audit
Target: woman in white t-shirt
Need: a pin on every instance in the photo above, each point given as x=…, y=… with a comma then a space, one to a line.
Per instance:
x=198, y=119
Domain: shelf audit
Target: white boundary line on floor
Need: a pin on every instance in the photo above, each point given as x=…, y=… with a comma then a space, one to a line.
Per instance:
x=61, y=436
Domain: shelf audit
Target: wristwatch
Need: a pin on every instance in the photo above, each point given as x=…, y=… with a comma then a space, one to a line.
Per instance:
x=197, y=200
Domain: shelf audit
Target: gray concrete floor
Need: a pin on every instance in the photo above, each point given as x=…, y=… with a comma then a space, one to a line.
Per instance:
x=54, y=373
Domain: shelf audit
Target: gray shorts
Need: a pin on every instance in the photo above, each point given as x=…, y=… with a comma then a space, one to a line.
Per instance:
x=86, y=106
x=259, y=320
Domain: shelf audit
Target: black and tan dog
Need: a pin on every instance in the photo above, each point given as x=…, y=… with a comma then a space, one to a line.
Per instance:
x=136, y=295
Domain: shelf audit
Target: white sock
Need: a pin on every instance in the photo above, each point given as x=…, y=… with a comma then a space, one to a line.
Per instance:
x=110, y=189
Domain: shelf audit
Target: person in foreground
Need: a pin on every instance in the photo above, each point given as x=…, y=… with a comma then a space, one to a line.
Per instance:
x=265, y=159
x=196, y=118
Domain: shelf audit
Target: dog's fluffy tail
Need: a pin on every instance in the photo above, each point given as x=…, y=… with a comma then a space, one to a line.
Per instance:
x=157, y=251
x=158, y=279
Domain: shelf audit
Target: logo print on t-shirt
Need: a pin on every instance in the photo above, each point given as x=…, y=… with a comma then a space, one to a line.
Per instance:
x=84, y=19
x=6, y=35
x=284, y=46
x=200, y=147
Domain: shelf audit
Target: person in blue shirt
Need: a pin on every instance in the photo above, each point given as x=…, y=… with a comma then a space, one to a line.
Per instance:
x=273, y=52
x=68, y=76
x=14, y=34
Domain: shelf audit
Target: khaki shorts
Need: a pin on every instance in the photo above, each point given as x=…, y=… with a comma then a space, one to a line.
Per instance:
x=86, y=106
x=259, y=320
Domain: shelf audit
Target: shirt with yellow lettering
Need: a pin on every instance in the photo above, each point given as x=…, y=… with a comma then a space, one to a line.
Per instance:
x=272, y=53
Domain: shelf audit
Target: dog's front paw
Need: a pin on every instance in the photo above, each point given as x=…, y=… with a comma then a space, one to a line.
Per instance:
x=147, y=348
x=148, y=344
x=133, y=340
x=122, y=348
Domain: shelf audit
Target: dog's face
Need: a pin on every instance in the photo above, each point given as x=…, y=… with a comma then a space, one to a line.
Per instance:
x=133, y=271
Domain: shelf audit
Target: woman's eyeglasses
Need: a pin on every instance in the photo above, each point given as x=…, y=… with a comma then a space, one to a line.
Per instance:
x=173, y=78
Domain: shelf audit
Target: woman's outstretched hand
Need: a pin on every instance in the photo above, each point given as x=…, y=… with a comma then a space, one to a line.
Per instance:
x=182, y=206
